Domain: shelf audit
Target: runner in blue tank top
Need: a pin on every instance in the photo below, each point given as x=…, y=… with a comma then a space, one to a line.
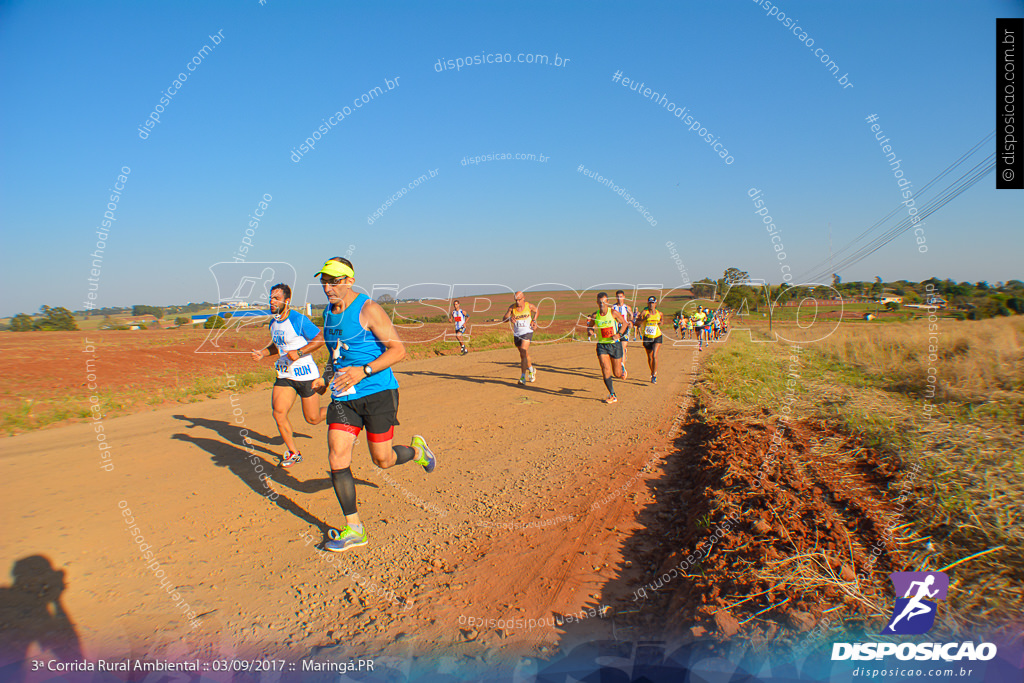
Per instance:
x=364, y=392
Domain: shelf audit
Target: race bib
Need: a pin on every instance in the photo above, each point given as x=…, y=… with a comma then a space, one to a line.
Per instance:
x=282, y=367
x=607, y=332
x=650, y=330
x=347, y=392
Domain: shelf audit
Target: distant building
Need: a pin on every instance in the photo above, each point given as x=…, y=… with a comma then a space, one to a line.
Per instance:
x=889, y=299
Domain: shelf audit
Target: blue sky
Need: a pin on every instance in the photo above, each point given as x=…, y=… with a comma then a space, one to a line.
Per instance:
x=79, y=79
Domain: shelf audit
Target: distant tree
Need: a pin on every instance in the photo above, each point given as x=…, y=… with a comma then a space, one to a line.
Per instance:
x=154, y=311
x=836, y=280
x=998, y=304
x=214, y=322
x=740, y=297
x=963, y=290
x=385, y=299
x=182, y=320
x=22, y=323
x=734, y=276
x=891, y=306
x=987, y=307
x=56, y=319
x=703, y=288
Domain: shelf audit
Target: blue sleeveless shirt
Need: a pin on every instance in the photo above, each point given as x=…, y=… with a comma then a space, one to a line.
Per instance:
x=363, y=347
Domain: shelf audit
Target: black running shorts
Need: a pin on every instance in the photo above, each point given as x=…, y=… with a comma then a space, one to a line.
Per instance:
x=303, y=389
x=377, y=412
x=649, y=343
x=614, y=349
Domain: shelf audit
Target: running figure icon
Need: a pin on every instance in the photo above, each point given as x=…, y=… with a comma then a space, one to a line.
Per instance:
x=915, y=607
x=914, y=613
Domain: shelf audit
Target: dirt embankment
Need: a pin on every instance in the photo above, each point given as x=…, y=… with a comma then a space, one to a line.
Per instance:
x=760, y=541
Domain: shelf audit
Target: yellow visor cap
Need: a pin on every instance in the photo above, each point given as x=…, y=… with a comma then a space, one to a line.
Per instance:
x=335, y=269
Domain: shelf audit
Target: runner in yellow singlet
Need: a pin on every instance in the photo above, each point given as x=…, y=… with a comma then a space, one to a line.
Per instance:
x=609, y=324
x=524, y=321
x=699, y=319
x=650, y=332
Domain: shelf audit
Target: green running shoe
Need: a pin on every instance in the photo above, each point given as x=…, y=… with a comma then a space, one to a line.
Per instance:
x=345, y=539
x=427, y=457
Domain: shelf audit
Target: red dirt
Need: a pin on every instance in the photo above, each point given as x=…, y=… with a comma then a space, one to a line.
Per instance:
x=830, y=508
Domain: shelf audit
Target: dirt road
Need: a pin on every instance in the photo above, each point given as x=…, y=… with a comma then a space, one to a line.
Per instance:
x=448, y=550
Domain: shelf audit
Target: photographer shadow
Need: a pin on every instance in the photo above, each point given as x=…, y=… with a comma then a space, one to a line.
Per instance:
x=31, y=613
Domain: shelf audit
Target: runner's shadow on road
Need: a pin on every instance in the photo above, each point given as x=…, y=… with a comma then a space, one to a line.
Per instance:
x=237, y=460
x=564, y=391
x=595, y=374
x=232, y=432
x=31, y=612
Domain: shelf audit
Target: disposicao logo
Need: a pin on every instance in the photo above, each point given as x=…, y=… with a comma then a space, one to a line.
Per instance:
x=914, y=614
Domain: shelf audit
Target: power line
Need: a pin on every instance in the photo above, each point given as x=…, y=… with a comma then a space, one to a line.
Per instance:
x=947, y=194
x=959, y=186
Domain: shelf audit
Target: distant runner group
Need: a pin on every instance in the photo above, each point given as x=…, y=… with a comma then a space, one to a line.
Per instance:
x=363, y=345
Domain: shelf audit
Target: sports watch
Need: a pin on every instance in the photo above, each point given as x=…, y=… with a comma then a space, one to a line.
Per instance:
x=368, y=370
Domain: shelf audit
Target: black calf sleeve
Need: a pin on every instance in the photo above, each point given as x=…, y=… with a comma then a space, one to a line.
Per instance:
x=403, y=454
x=345, y=489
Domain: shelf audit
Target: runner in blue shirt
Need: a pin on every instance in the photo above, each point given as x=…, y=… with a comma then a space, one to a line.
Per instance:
x=460, y=317
x=364, y=393
x=293, y=337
